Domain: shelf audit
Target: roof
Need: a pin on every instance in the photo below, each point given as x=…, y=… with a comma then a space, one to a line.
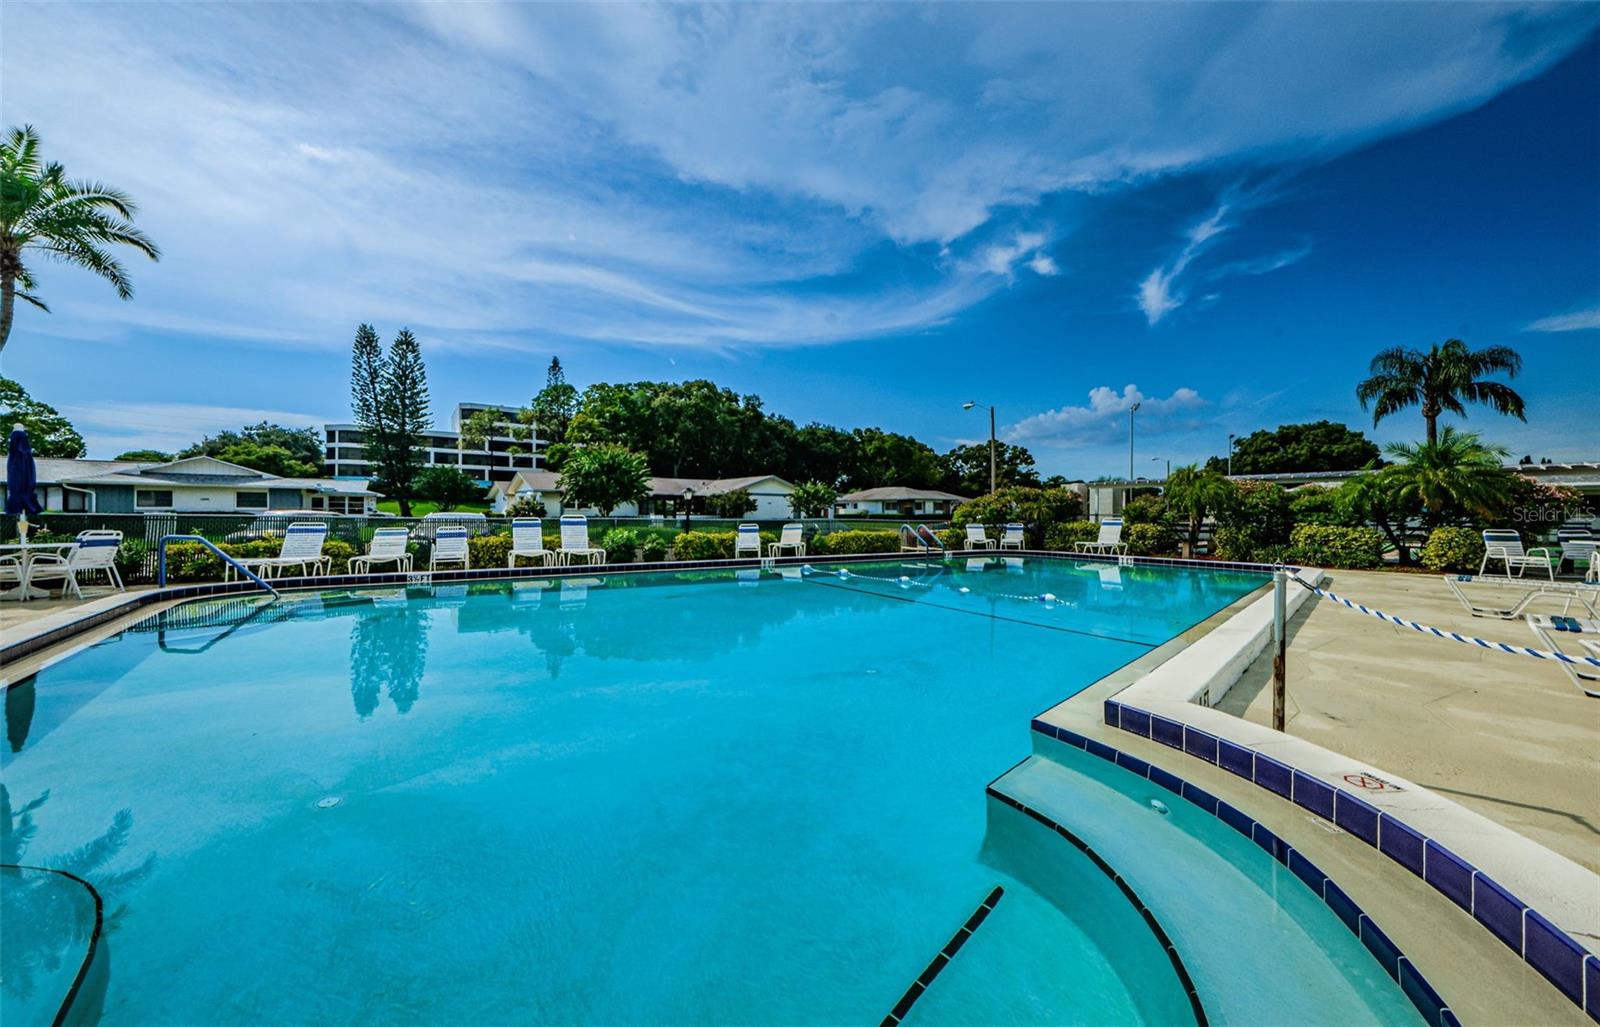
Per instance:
x=192, y=472
x=549, y=481
x=899, y=493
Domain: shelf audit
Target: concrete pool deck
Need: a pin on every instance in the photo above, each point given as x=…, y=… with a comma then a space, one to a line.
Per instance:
x=1506, y=736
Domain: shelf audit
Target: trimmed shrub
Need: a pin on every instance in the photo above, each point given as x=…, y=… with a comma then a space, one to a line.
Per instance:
x=953, y=538
x=703, y=545
x=1146, y=509
x=1325, y=545
x=1256, y=522
x=1066, y=536
x=1038, y=509
x=621, y=545
x=849, y=543
x=340, y=552
x=1453, y=549
x=489, y=550
x=1315, y=505
x=1151, y=539
x=652, y=548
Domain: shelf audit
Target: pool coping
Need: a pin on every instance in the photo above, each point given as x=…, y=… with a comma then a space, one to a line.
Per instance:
x=1482, y=870
x=53, y=630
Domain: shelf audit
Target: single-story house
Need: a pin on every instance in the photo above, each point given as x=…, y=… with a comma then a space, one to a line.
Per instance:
x=898, y=501
x=198, y=484
x=769, y=493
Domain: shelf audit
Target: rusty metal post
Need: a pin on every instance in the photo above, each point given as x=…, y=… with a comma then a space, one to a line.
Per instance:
x=1280, y=638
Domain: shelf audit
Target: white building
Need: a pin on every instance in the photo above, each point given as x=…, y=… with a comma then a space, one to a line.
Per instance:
x=898, y=501
x=344, y=457
x=197, y=484
x=768, y=492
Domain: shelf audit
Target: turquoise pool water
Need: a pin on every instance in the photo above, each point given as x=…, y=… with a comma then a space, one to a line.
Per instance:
x=700, y=798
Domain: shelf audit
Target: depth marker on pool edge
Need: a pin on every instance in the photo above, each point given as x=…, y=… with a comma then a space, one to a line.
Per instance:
x=942, y=959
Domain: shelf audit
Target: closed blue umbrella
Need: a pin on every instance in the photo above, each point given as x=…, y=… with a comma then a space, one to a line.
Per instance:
x=21, y=476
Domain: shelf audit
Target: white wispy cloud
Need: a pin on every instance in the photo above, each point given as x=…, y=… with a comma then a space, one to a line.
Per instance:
x=1576, y=321
x=118, y=427
x=1103, y=416
x=719, y=176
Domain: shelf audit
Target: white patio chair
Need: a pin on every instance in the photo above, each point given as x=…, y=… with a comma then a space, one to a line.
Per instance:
x=1109, y=541
x=575, y=541
x=1577, y=546
x=1012, y=537
x=450, y=547
x=792, y=541
x=301, y=548
x=527, y=541
x=1585, y=633
x=11, y=572
x=748, y=540
x=977, y=538
x=388, y=545
x=95, y=552
x=1505, y=545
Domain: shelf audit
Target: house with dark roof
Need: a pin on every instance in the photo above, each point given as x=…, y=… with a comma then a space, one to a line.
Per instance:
x=199, y=484
x=768, y=492
x=898, y=501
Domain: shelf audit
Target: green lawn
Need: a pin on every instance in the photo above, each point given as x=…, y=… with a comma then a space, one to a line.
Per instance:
x=422, y=509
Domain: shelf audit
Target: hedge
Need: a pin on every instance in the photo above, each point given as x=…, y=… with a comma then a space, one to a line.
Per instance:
x=621, y=545
x=191, y=561
x=1066, y=535
x=1453, y=549
x=849, y=543
x=712, y=545
x=1324, y=545
x=1149, y=539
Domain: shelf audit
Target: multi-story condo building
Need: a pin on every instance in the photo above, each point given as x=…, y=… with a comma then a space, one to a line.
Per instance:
x=346, y=459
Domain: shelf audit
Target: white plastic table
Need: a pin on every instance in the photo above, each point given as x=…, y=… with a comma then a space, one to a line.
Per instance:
x=27, y=551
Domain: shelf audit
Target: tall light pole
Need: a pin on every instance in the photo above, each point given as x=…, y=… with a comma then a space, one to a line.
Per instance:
x=1168, y=459
x=1131, y=411
x=1231, y=437
x=968, y=405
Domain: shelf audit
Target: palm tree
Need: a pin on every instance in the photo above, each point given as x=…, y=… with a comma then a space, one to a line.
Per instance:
x=1459, y=475
x=1444, y=378
x=1194, y=492
x=73, y=222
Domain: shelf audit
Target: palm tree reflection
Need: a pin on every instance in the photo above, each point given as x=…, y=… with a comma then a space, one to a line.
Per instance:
x=389, y=652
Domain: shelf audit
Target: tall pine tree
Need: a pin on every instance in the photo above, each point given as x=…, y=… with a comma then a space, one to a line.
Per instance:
x=368, y=369
x=405, y=413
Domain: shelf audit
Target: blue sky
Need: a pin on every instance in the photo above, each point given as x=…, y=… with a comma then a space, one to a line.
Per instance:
x=866, y=215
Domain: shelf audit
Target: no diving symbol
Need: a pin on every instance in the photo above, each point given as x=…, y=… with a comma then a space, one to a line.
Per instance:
x=1371, y=782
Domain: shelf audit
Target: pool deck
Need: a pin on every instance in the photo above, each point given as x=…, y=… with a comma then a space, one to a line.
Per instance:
x=1506, y=736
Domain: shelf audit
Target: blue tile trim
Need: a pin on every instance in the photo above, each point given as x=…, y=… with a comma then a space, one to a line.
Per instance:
x=1236, y=759
x=1540, y=943
x=1388, y=955
x=1201, y=744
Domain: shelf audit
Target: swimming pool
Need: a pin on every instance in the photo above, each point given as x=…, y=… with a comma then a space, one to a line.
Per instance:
x=730, y=797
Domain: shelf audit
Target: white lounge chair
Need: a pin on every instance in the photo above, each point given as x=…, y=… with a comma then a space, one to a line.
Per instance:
x=1584, y=637
x=1577, y=546
x=95, y=552
x=978, y=538
x=748, y=540
x=1011, y=538
x=1505, y=545
x=301, y=548
x=792, y=541
x=450, y=547
x=527, y=541
x=388, y=545
x=1109, y=541
x=575, y=541
x=1496, y=596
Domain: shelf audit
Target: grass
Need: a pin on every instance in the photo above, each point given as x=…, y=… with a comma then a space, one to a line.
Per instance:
x=420, y=508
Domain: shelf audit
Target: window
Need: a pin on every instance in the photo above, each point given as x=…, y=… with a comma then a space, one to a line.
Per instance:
x=146, y=499
x=74, y=501
x=250, y=500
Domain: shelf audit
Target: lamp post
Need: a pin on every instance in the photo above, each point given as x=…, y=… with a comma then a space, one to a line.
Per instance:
x=688, y=502
x=1231, y=437
x=1131, y=411
x=968, y=405
x=1168, y=459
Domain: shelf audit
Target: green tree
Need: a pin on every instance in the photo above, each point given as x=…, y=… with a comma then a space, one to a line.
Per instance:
x=1442, y=379
x=49, y=434
x=823, y=453
x=369, y=371
x=605, y=476
x=266, y=459
x=734, y=503
x=813, y=499
x=145, y=456
x=1193, y=493
x=449, y=487
x=73, y=222
x=302, y=445
x=1455, y=477
x=1038, y=510
x=406, y=420
x=480, y=427
x=967, y=468
x=555, y=404
x=889, y=458
x=1316, y=446
x=1371, y=498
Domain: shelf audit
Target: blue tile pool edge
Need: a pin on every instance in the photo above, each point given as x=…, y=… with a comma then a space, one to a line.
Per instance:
x=1388, y=955
x=1562, y=961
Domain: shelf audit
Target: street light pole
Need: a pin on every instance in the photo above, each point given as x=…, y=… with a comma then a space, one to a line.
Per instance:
x=1168, y=459
x=1131, y=411
x=968, y=405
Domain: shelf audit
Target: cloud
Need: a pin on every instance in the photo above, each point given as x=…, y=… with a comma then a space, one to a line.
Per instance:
x=1103, y=417
x=1577, y=321
x=724, y=176
x=112, y=428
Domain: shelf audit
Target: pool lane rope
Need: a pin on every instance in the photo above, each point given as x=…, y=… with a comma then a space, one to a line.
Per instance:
x=1481, y=643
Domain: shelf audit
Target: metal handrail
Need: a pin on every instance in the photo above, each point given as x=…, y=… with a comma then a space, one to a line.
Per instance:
x=161, y=556
x=930, y=536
